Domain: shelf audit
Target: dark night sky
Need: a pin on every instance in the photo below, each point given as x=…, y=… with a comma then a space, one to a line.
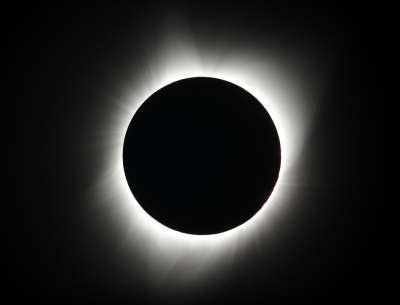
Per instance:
x=61, y=254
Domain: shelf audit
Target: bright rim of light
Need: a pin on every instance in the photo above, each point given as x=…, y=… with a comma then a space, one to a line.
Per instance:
x=272, y=83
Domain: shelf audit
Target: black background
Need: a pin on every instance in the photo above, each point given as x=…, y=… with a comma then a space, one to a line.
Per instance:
x=61, y=55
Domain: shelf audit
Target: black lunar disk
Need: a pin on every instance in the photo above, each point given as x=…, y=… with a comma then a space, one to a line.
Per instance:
x=201, y=155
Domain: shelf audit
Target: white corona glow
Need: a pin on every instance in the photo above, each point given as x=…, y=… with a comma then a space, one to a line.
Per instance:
x=275, y=84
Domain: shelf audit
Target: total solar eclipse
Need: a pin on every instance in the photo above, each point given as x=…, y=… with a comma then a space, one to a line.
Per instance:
x=201, y=155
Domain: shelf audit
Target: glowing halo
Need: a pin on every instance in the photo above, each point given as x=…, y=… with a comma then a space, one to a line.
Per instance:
x=276, y=85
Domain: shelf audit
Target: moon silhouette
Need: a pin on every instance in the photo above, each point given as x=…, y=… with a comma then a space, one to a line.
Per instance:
x=201, y=155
